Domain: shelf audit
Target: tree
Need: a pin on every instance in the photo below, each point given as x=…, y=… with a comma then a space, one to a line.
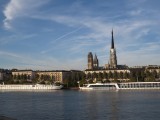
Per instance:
x=142, y=75
x=149, y=77
x=28, y=77
x=22, y=76
x=138, y=75
x=110, y=75
x=78, y=76
x=159, y=74
x=154, y=74
x=66, y=80
x=25, y=77
x=89, y=76
x=53, y=78
x=105, y=75
x=18, y=77
x=15, y=77
x=120, y=75
x=100, y=76
x=132, y=76
x=73, y=76
x=95, y=75
x=126, y=75
x=42, y=77
x=37, y=77
x=83, y=78
x=115, y=75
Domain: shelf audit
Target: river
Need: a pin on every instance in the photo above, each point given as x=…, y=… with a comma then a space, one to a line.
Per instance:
x=81, y=105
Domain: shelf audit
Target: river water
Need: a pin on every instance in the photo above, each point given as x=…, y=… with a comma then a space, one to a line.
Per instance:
x=81, y=105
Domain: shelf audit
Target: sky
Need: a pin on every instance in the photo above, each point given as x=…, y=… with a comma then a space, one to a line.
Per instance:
x=58, y=34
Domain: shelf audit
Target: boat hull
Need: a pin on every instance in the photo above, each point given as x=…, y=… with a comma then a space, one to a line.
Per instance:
x=122, y=86
x=30, y=87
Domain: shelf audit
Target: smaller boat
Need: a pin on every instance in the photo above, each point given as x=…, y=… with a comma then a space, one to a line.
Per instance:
x=31, y=87
x=100, y=86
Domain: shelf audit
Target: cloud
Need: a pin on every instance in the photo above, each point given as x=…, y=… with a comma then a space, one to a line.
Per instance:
x=69, y=33
x=136, y=12
x=131, y=29
x=21, y=61
x=15, y=37
x=9, y=54
x=126, y=32
x=25, y=60
x=59, y=38
x=20, y=8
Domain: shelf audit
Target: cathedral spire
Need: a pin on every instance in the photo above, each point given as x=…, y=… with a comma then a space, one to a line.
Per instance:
x=113, y=57
x=112, y=43
x=90, y=61
x=95, y=62
x=95, y=57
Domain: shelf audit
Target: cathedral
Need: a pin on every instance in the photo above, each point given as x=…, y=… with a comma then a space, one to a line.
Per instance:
x=112, y=69
x=114, y=72
x=93, y=64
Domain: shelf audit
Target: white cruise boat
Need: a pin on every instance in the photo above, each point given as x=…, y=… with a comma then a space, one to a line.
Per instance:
x=99, y=86
x=30, y=87
x=121, y=86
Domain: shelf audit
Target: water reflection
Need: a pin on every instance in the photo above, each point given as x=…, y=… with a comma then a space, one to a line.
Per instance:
x=81, y=105
x=6, y=118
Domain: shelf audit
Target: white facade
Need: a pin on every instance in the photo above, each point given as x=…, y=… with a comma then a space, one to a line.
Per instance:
x=29, y=73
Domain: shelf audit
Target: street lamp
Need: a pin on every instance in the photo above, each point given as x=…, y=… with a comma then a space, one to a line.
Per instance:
x=78, y=83
x=137, y=78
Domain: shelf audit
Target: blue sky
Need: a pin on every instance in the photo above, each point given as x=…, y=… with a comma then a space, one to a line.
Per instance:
x=58, y=34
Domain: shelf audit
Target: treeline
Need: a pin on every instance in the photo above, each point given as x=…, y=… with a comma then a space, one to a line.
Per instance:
x=133, y=76
x=145, y=76
x=107, y=77
x=71, y=80
x=27, y=79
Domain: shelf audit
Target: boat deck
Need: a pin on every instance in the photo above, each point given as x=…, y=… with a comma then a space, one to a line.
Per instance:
x=122, y=86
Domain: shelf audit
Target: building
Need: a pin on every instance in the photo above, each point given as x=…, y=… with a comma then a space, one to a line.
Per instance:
x=28, y=73
x=153, y=68
x=56, y=76
x=95, y=62
x=110, y=68
x=90, y=61
x=113, y=57
x=1, y=76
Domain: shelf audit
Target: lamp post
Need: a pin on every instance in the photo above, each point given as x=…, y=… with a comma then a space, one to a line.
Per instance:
x=78, y=83
x=137, y=78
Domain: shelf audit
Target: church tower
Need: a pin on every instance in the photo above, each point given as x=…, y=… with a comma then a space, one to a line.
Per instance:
x=113, y=57
x=90, y=61
x=95, y=62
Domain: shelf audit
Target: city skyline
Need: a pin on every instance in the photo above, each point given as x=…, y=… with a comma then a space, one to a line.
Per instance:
x=58, y=34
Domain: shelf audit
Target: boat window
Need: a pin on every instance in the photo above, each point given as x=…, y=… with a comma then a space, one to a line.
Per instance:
x=102, y=85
